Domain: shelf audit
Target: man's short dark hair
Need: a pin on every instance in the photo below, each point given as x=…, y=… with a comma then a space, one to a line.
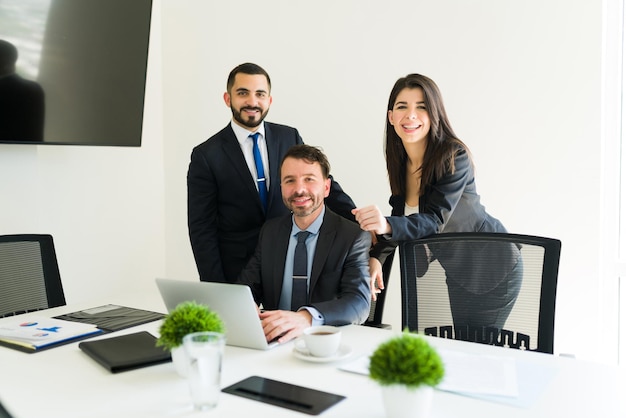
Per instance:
x=311, y=155
x=247, y=68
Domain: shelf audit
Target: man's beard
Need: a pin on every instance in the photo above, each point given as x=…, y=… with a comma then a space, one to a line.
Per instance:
x=249, y=122
x=300, y=211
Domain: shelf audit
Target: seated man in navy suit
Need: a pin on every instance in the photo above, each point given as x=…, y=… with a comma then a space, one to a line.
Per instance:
x=335, y=275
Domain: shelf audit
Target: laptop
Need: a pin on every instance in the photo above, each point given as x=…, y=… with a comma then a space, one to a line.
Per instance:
x=232, y=302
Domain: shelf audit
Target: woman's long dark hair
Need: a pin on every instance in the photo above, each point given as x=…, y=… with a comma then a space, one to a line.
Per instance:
x=442, y=145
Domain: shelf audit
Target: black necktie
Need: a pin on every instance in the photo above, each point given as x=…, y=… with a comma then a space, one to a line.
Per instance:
x=299, y=287
x=260, y=173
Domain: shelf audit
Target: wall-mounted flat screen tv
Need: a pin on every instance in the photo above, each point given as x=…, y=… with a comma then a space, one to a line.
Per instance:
x=73, y=72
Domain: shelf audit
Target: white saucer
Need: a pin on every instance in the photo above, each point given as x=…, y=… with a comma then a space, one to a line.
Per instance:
x=303, y=354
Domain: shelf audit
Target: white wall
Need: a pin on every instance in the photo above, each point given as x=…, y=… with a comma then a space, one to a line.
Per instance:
x=521, y=81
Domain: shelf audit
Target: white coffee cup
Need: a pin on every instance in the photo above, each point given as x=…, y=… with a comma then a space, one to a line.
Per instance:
x=322, y=340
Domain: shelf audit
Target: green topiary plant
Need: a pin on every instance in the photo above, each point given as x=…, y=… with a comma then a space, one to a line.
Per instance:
x=186, y=318
x=406, y=360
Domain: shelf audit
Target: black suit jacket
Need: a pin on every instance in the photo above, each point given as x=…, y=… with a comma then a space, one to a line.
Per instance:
x=339, y=283
x=223, y=205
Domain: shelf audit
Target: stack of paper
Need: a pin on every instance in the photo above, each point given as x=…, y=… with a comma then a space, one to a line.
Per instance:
x=497, y=378
x=479, y=374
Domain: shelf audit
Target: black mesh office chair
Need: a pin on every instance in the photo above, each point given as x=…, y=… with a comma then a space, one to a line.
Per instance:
x=29, y=274
x=490, y=288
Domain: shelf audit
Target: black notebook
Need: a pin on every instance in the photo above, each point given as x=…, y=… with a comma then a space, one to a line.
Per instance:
x=126, y=352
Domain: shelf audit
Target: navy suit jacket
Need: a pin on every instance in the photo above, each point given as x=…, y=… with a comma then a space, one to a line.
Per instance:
x=339, y=282
x=223, y=205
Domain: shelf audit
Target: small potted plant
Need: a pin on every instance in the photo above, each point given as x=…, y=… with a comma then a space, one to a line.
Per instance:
x=408, y=368
x=186, y=318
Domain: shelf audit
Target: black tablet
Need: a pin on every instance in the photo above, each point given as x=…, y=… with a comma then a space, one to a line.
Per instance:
x=286, y=395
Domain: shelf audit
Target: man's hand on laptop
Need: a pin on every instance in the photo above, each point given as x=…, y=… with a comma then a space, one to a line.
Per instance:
x=284, y=325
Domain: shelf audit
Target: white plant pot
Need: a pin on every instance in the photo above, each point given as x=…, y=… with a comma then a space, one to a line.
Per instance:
x=180, y=360
x=402, y=402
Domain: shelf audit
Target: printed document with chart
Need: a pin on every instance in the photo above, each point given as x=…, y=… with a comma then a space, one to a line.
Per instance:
x=28, y=333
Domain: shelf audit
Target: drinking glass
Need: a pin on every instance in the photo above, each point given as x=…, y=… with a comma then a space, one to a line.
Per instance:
x=204, y=351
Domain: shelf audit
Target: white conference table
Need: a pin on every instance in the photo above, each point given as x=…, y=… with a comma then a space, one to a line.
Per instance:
x=64, y=382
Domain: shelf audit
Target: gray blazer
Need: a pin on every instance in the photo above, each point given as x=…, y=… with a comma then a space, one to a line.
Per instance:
x=339, y=283
x=450, y=204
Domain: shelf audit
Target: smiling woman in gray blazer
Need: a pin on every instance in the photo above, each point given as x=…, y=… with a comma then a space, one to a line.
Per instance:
x=431, y=175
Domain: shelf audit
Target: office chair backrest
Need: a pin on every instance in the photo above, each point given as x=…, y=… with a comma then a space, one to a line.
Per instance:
x=29, y=274
x=491, y=288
